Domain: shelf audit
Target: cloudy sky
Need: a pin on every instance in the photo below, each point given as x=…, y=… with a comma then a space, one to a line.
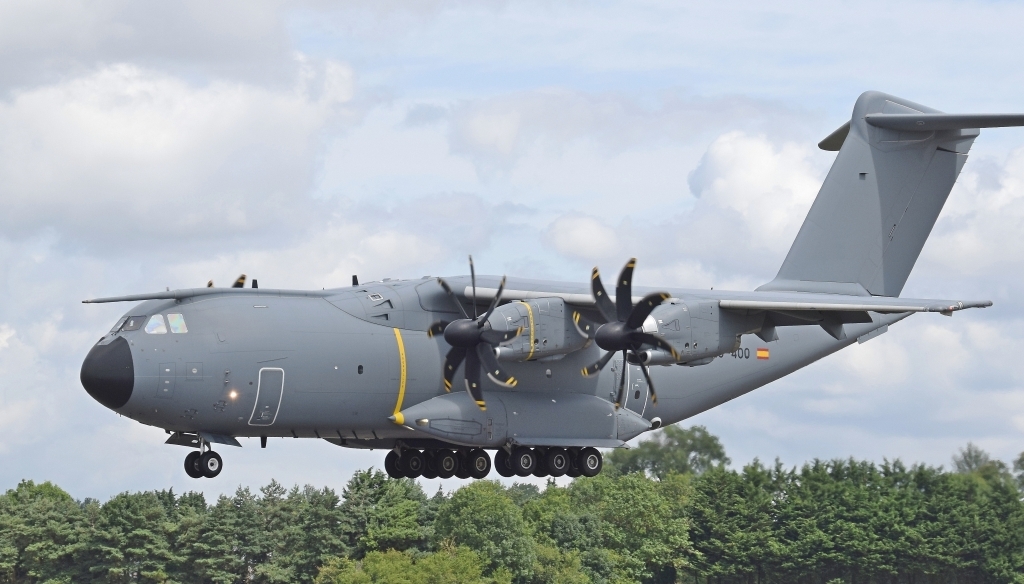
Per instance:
x=145, y=145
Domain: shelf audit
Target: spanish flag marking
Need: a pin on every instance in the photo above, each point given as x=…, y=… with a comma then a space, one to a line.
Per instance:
x=762, y=353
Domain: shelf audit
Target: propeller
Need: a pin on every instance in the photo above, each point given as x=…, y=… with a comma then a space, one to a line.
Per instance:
x=473, y=341
x=622, y=329
x=239, y=282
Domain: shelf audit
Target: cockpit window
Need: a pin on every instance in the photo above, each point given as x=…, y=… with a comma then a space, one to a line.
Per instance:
x=119, y=324
x=156, y=325
x=133, y=323
x=177, y=323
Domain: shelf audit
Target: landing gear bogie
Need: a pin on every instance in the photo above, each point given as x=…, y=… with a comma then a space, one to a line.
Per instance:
x=203, y=463
x=476, y=463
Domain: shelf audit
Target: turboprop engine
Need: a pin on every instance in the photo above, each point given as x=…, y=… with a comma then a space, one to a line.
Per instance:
x=698, y=330
x=549, y=329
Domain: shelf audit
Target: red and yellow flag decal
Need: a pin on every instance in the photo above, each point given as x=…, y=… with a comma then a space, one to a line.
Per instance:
x=762, y=353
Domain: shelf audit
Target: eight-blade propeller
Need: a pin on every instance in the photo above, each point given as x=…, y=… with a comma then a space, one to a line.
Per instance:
x=473, y=341
x=622, y=330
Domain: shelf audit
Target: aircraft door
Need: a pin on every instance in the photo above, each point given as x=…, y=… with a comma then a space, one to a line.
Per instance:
x=268, y=396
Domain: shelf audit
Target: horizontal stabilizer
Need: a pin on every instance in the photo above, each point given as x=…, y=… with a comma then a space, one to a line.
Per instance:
x=922, y=122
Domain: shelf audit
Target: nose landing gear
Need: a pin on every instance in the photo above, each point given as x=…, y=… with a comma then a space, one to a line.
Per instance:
x=203, y=462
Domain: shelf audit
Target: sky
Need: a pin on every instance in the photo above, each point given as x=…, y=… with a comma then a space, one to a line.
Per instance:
x=146, y=145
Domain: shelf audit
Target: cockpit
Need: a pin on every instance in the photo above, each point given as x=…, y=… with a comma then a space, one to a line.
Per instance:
x=158, y=324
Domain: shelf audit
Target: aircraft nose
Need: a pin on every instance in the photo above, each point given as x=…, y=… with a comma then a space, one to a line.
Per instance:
x=108, y=373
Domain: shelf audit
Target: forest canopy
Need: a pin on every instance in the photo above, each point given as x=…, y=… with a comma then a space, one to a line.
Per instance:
x=670, y=510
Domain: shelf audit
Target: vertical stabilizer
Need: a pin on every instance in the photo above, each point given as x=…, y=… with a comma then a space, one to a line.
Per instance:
x=896, y=165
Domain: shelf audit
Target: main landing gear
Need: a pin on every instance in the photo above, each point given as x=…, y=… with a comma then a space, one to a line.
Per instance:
x=475, y=463
x=203, y=462
x=441, y=463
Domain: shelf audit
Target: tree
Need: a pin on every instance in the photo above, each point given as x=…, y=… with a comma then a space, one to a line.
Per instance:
x=482, y=517
x=670, y=450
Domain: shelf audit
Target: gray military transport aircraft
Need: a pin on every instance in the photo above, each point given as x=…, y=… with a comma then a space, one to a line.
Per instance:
x=552, y=371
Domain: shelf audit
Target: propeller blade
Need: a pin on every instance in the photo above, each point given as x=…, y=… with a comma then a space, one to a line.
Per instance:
x=240, y=282
x=584, y=326
x=494, y=337
x=599, y=365
x=643, y=310
x=494, y=303
x=647, y=376
x=604, y=304
x=473, y=379
x=437, y=329
x=209, y=284
x=624, y=291
x=493, y=369
x=622, y=382
x=451, y=295
x=472, y=278
x=451, y=363
x=649, y=339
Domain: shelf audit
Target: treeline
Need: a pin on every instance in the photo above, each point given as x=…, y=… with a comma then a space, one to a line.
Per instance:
x=668, y=511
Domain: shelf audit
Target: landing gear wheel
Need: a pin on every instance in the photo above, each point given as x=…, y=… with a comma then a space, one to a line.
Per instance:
x=463, y=470
x=391, y=465
x=411, y=463
x=502, y=464
x=524, y=461
x=589, y=461
x=430, y=470
x=542, y=463
x=557, y=461
x=192, y=465
x=210, y=464
x=479, y=463
x=447, y=463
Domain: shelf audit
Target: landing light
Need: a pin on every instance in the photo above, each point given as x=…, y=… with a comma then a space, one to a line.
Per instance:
x=233, y=394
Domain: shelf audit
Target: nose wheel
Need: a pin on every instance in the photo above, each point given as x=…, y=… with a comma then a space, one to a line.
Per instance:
x=203, y=463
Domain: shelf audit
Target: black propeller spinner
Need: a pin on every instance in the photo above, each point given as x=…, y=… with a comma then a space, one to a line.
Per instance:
x=473, y=341
x=622, y=330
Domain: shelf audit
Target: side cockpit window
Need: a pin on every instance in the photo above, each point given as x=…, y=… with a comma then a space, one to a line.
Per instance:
x=129, y=323
x=119, y=324
x=156, y=325
x=177, y=323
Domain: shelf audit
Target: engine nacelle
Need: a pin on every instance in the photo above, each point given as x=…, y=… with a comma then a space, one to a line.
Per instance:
x=699, y=331
x=548, y=329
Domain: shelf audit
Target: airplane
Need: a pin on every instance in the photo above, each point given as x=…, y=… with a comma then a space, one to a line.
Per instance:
x=439, y=371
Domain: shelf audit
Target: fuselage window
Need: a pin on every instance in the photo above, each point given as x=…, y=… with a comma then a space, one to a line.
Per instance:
x=133, y=323
x=177, y=323
x=156, y=325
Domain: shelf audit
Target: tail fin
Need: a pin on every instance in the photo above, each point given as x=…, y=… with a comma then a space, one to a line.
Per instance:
x=897, y=163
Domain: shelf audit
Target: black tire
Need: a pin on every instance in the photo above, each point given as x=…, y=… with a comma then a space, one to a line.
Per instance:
x=463, y=471
x=524, y=461
x=574, y=469
x=430, y=469
x=210, y=464
x=447, y=463
x=479, y=463
x=391, y=465
x=411, y=463
x=502, y=464
x=192, y=465
x=542, y=463
x=589, y=462
x=557, y=461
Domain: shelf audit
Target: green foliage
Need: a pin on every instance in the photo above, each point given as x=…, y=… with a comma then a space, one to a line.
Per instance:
x=483, y=517
x=670, y=450
x=826, y=521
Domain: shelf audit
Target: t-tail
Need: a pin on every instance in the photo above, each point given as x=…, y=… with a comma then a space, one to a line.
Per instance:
x=897, y=163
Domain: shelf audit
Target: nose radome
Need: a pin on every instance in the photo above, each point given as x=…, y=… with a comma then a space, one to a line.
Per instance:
x=108, y=373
